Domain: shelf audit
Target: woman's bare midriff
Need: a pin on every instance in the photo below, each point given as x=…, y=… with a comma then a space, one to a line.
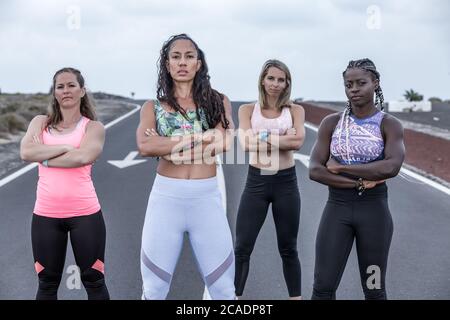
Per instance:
x=186, y=171
x=284, y=160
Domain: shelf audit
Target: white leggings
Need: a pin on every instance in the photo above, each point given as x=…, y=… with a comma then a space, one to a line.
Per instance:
x=176, y=206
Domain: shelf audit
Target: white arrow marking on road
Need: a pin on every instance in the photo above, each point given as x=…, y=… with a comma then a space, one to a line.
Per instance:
x=127, y=162
x=302, y=158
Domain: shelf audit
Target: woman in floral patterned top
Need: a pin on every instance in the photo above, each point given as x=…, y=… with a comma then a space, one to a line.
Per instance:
x=186, y=127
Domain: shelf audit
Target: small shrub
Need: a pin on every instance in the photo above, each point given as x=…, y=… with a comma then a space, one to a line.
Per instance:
x=4, y=124
x=10, y=107
x=13, y=122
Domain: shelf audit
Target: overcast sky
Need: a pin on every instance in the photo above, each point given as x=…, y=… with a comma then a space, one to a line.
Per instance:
x=116, y=43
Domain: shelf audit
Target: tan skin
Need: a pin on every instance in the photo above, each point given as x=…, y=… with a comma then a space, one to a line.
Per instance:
x=360, y=86
x=68, y=93
x=196, y=163
x=280, y=148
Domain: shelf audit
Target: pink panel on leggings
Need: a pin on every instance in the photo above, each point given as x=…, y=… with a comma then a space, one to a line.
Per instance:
x=99, y=266
x=38, y=267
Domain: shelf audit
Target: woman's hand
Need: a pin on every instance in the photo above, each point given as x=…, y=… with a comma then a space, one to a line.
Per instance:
x=291, y=132
x=371, y=184
x=37, y=139
x=150, y=132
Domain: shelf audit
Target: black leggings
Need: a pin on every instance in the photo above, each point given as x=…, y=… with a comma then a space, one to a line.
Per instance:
x=348, y=216
x=260, y=190
x=49, y=241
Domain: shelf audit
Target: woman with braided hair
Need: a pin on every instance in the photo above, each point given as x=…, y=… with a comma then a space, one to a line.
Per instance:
x=186, y=127
x=355, y=152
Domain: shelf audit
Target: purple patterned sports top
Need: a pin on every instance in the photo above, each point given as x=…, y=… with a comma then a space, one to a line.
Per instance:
x=358, y=140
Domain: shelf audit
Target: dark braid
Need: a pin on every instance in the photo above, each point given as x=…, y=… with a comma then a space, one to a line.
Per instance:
x=203, y=95
x=368, y=65
x=379, y=97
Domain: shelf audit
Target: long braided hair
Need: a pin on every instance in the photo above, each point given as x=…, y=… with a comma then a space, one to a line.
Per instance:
x=203, y=95
x=369, y=66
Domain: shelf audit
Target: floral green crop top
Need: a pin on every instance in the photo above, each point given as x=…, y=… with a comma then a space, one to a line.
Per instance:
x=175, y=124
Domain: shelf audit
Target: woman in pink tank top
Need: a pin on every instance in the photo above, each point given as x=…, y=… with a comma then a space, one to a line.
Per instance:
x=65, y=143
x=271, y=130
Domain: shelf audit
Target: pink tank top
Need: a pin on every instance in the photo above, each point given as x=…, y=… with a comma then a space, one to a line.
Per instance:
x=66, y=192
x=275, y=126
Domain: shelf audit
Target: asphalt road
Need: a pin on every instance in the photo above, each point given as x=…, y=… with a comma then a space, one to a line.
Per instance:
x=419, y=260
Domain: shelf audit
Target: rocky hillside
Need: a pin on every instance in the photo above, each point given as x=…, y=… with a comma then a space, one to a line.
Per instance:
x=17, y=110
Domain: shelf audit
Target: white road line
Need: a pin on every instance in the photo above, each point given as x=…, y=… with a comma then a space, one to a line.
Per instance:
x=410, y=173
x=126, y=115
x=425, y=180
x=128, y=161
x=20, y=172
x=303, y=158
x=311, y=126
x=16, y=174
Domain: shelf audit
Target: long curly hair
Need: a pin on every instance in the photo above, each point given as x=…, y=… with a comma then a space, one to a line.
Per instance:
x=203, y=95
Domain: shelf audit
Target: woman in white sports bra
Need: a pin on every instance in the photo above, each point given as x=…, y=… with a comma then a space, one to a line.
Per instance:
x=271, y=130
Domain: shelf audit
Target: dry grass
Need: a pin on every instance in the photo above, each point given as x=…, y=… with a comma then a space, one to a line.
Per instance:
x=17, y=110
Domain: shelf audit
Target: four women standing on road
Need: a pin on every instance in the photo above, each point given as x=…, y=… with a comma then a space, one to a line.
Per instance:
x=186, y=127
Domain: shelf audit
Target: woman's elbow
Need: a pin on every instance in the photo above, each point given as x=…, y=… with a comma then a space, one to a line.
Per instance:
x=83, y=160
x=314, y=172
x=24, y=155
x=226, y=148
x=297, y=143
x=143, y=150
x=392, y=170
x=227, y=145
